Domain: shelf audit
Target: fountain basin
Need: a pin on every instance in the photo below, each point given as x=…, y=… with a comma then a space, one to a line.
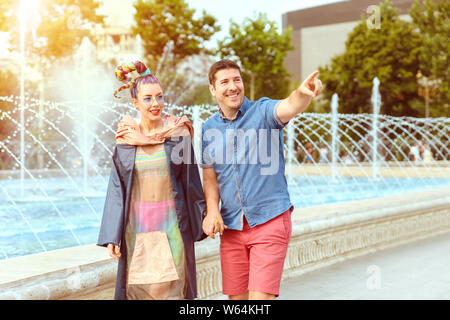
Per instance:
x=58, y=216
x=322, y=235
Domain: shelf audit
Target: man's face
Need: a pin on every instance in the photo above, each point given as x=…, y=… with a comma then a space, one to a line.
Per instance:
x=228, y=89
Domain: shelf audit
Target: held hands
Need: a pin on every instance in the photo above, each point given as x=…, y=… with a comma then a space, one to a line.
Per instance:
x=212, y=224
x=114, y=251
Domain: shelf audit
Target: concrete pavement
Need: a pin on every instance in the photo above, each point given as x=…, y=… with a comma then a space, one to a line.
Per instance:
x=417, y=270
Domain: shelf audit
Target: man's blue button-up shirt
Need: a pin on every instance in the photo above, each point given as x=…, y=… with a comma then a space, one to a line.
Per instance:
x=247, y=155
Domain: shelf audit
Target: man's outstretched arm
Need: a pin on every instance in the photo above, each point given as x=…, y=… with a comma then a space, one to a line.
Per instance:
x=300, y=98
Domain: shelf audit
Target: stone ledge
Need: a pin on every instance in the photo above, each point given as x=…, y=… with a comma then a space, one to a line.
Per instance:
x=321, y=235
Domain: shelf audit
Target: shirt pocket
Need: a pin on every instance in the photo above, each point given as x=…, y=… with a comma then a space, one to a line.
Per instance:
x=152, y=260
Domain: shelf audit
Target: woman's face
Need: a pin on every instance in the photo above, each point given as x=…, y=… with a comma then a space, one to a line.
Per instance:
x=150, y=101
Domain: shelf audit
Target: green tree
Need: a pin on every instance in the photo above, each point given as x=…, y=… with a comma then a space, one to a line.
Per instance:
x=71, y=21
x=261, y=51
x=432, y=20
x=160, y=22
x=390, y=53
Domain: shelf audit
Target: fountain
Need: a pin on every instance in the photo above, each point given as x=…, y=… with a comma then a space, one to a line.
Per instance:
x=63, y=201
x=139, y=48
x=22, y=22
x=83, y=68
x=334, y=134
x=376, y=103
x=47, y=194
x=58, y=202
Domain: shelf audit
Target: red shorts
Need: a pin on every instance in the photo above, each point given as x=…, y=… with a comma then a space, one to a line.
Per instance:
x=253, y=259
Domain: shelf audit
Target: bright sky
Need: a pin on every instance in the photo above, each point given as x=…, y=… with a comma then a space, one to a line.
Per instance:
x=223, y=10
x=121, y=11
x=237, y=10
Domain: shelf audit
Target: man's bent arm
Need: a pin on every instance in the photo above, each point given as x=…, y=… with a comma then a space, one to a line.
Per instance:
x=211, y=191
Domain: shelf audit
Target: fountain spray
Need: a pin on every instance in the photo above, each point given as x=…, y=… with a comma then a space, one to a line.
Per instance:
x=334, y=134
x=376, y=102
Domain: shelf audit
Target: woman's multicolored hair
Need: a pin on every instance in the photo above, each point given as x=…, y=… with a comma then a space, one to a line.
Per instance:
x=145, y=76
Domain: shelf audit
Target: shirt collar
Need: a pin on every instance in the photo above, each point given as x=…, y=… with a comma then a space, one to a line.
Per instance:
x=242, y=109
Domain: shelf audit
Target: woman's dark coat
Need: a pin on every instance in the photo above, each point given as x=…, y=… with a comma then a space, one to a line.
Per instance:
x=189, y=203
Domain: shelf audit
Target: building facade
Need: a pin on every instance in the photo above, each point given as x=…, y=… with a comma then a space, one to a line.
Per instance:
x=320, y=33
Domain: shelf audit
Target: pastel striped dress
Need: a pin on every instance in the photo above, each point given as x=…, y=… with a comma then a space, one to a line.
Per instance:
x=156, y=264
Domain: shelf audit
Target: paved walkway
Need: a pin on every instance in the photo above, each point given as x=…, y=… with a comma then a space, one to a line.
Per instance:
x=418, y=270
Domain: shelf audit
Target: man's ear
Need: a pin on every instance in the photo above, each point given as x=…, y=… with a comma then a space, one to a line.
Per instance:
x=212, y=89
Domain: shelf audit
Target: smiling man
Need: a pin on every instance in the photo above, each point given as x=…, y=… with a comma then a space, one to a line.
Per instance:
x=254, y=219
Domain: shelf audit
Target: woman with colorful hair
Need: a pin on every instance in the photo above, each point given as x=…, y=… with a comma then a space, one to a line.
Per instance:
x=154, y=204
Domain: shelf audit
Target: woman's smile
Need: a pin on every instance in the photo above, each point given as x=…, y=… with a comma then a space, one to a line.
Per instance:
x=155, y=112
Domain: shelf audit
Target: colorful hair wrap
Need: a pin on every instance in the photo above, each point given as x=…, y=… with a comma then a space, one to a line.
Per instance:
x=146, y=73
x=122, y=72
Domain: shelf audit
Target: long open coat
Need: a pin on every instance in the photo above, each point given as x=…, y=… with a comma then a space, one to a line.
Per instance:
x=189, y=204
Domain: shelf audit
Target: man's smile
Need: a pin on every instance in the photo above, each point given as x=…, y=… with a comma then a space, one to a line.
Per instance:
x=232, y=95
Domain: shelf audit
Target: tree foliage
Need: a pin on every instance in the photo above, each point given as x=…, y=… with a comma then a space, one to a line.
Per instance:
x=261, y=51
x=390, y=53
x=432, y=20
x=159, y=22
x=71, y=21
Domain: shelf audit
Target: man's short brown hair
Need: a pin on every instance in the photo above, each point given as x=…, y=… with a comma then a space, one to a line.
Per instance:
x=221, y=65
